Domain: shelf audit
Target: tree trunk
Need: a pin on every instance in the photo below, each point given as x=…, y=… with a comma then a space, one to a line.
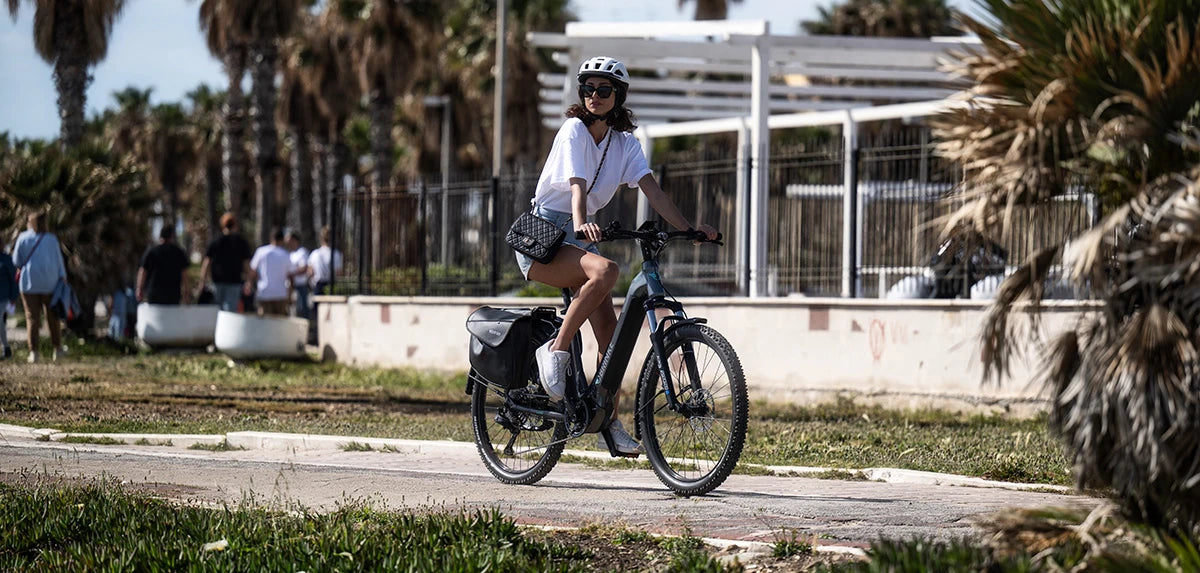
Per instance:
x=381, y=176
x=233, y=134
x=212, y=192
x=266, y=138
x=300, y=205
x=381, y=139
x=320, y=175
x=172, y=214
x=70, y=74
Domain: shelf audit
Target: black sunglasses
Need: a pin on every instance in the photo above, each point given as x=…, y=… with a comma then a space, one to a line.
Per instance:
x=604, y=92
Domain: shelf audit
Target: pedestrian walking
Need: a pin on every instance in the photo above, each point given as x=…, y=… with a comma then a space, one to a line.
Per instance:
x=323, y=263
x=8, y=294
x=162, y=276
x=228, y=259
x=298, y=275
x=269, y=268
x=40, y=267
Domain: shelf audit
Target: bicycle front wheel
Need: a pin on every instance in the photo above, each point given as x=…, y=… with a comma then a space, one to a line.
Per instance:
x=518, y=448
x=693, y=450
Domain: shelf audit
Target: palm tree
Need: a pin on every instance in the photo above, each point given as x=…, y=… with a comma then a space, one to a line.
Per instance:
x=217, y=19
x=299, y=111
x=98, y=204
x=463, y=71
x=172, y=153
x=261, y=24
x=710, y=9
x=885, y=19
x=332, y=79
x=387, y=35
x=206, y=115
x=1103, y=92
x=128, y=126
x=72, y=36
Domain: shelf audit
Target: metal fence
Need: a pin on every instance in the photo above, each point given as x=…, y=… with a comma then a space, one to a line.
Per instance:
x=435, y=238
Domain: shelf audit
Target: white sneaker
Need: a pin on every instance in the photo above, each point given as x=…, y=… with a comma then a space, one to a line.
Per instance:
x=60, y=352
x=33, y=357
x=552, y=370
x=625, y=444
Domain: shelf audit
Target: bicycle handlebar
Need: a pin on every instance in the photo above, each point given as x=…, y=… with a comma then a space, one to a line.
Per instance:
x=614, y=232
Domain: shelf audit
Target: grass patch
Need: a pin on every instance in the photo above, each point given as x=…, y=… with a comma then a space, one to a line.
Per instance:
x=1043, y=539
x=753, y=470
x=97, y=440
x=606, y=464
x=669, y=553
x=790, y=543
x=100, y=527
x=146, y=442
x=203, y=394
x=357, y=447
x=849, y=435
x=222, y=446
x=843, y=475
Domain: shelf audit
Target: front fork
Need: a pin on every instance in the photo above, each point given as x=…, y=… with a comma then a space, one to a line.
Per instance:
x=658, y=334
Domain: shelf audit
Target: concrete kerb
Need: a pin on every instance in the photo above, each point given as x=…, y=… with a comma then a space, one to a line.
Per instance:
x=299, y=443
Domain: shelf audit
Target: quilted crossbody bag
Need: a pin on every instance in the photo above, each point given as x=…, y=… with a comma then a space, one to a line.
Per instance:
x=538, y=238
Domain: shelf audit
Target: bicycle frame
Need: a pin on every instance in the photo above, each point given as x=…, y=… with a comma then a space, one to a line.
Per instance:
x=646, y=295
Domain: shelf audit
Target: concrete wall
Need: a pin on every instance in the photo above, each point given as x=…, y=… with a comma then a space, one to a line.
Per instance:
x=909, y=354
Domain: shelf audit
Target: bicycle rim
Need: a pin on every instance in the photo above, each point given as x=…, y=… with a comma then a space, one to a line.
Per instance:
x=693, y=454
x=517, y=448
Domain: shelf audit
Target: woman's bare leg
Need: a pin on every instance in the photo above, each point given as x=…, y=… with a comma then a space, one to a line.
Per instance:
x=593, y=277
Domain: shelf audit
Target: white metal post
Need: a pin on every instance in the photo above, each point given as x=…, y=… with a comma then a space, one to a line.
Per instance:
x=850, y=234
x=741, y=228
x=760, y=153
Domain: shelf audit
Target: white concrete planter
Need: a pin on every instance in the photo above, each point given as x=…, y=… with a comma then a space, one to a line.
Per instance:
x=165, y=325
x=249, y=336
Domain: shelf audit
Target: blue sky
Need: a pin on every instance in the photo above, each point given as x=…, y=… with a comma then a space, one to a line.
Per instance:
x=157, y=43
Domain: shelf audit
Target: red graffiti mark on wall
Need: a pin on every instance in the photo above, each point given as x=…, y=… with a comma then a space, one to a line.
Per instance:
x=877, y=339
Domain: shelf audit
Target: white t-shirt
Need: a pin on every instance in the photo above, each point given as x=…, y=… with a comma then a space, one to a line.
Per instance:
x=272, y=264
x=319, y=261
x=299, y=258
x=576, y=154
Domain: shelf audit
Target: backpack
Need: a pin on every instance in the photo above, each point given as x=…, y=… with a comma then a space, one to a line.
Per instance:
x=503, y=341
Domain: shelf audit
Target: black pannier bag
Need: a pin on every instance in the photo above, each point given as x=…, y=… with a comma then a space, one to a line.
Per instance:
x=503, y=341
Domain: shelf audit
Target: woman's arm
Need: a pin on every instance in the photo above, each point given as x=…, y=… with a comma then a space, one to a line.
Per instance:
x=663, y=205
x=579, y=210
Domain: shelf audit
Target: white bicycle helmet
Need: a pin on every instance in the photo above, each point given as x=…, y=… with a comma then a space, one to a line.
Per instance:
x=605, y=67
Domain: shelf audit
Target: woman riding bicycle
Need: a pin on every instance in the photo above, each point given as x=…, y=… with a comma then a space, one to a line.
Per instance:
x=594, y=153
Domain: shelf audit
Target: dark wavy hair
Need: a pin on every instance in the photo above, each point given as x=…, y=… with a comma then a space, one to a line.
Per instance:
x=619, y=117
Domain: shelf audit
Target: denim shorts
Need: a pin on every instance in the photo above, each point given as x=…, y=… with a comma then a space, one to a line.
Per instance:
x=564, y=221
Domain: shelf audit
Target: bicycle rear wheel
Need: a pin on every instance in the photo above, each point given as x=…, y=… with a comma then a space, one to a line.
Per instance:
x=692, y=452
x=518, y=448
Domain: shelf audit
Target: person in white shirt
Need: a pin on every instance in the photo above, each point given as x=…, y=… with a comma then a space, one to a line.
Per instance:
x=298, y=275
x=269, y=267
x=322, y=264
x=594, y=153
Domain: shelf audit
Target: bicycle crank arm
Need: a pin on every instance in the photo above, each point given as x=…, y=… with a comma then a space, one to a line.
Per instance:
x=556, y=416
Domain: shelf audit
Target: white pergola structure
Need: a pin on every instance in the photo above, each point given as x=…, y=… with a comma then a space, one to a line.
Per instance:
x=695, y=78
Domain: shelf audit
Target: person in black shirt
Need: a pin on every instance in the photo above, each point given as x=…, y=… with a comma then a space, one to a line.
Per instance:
x=162, y=278
x=228, y=257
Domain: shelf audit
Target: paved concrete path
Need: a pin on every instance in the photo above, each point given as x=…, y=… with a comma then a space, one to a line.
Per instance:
x=314, y=471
